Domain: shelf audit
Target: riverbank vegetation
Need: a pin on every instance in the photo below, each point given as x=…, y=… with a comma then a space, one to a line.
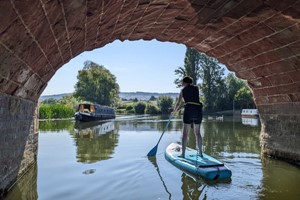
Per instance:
x=218, y=92
x=96, y=84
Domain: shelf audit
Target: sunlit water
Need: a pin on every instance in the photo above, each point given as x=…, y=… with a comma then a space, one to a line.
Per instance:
x=108, y=161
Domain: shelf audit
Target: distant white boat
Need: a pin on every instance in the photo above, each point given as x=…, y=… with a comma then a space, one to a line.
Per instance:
x=250, y=113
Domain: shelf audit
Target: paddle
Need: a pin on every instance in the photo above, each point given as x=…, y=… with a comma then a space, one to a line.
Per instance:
x=153, y=151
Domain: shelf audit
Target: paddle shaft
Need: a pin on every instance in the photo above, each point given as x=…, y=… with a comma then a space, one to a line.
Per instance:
x=166, y=126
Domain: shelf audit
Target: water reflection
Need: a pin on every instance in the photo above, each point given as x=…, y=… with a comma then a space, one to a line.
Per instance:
x=153, y=161
x=191, y=189
x=95, y=141
x=56, y=125
x=250, y=121
x=149, y=123
x=26, y=187
x=281, y=180
x=230, y=141
x=229, y=137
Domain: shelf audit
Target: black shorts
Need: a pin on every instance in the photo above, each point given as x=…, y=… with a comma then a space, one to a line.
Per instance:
x=192, y=114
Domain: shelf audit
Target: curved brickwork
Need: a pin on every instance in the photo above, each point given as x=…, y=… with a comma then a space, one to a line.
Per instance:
x=259, y=40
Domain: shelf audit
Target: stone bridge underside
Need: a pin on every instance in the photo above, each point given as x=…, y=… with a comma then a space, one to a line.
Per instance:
x=257, y=39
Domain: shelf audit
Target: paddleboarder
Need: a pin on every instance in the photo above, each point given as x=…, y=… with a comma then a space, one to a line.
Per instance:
x=192, y=115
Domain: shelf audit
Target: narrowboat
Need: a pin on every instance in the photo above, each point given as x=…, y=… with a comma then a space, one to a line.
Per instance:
x=94, y=112
x=250, y=113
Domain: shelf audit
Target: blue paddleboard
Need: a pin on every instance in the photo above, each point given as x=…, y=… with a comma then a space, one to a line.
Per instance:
x=206, y=166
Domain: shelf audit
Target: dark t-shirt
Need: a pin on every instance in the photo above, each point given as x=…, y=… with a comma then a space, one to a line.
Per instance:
x=191, y=94
x=192, y=112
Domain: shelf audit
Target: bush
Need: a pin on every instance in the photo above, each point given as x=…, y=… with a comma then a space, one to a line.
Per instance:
x=55, y=111
x=129, y=107
x=151, y=109
x=140, y=108
x=165, y=104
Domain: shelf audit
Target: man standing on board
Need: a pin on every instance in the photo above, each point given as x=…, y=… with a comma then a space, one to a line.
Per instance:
x=192, y=114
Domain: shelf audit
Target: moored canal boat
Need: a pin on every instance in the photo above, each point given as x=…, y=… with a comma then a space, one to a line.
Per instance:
x=250, y=113
x=93, y=112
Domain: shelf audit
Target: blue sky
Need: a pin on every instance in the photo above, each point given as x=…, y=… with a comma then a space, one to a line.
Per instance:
x=138, y=66
x=146, y=66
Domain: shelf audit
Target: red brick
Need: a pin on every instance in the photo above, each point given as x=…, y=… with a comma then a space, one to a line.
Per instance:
x=279, y=5
x=279, y=99
x=7, y=15
x=280, y=22
x=247, y=75
x=274, y=68
x=267, y=91
x=262, y=46
x=287, y=36
x=256, y=33
x=295, y=75
x=295, y=48
x=293, y=11
x=287, y=89
x=295, y=97
x=280, y=79
x=260, y=82
x=258, y=92
x=261, y=100
x=271, y=91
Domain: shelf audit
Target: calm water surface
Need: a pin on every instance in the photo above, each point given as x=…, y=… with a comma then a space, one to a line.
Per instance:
x=108, y=161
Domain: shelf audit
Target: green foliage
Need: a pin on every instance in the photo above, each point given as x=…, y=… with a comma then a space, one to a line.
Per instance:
x=69, y=101
x=140, y=108
x=233, y=84
x=97, y=84
x=152, y=98
x=55, y=111
x=129, y=107
x=244, y=96
x=165, y=103
x=212, y=82
x=217, y=92
x=151, y=109
x=135, y=100
x=191, y=67
x=49, y=101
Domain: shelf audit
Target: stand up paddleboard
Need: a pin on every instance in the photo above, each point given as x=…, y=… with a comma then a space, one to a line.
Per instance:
x=206, y=166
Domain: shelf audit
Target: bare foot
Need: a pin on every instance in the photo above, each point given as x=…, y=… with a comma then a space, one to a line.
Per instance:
x=200, y=154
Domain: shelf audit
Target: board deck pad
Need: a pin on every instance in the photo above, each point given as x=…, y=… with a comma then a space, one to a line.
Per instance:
x=192, y=157
x=205, y=166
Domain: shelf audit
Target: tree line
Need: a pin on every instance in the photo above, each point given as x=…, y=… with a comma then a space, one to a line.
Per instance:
x=217, y=91
x=96, y=84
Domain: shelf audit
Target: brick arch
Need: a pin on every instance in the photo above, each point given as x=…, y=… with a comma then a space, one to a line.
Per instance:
x=259, y=40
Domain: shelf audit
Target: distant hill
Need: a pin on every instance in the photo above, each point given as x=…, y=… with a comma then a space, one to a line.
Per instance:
x=54, y=96
x=145, y=95
x=123, y=95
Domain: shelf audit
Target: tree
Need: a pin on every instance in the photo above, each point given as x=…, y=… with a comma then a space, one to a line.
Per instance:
x=152, y=98
x=140, y=108
x=151, y=109
x=244, y=96
x=165, y=103
x=212, y=81
x=96, y=84
x=191, y=67
x=70, y=101
x=49, y=101
x=233, y=85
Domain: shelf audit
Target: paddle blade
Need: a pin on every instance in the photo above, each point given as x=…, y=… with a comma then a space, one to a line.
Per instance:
x=153, y=151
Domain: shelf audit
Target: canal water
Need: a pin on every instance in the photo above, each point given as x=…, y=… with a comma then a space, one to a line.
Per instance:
x=108, y=161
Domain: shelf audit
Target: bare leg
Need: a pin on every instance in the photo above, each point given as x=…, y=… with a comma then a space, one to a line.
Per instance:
x=185, y=130
x=198, y=137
